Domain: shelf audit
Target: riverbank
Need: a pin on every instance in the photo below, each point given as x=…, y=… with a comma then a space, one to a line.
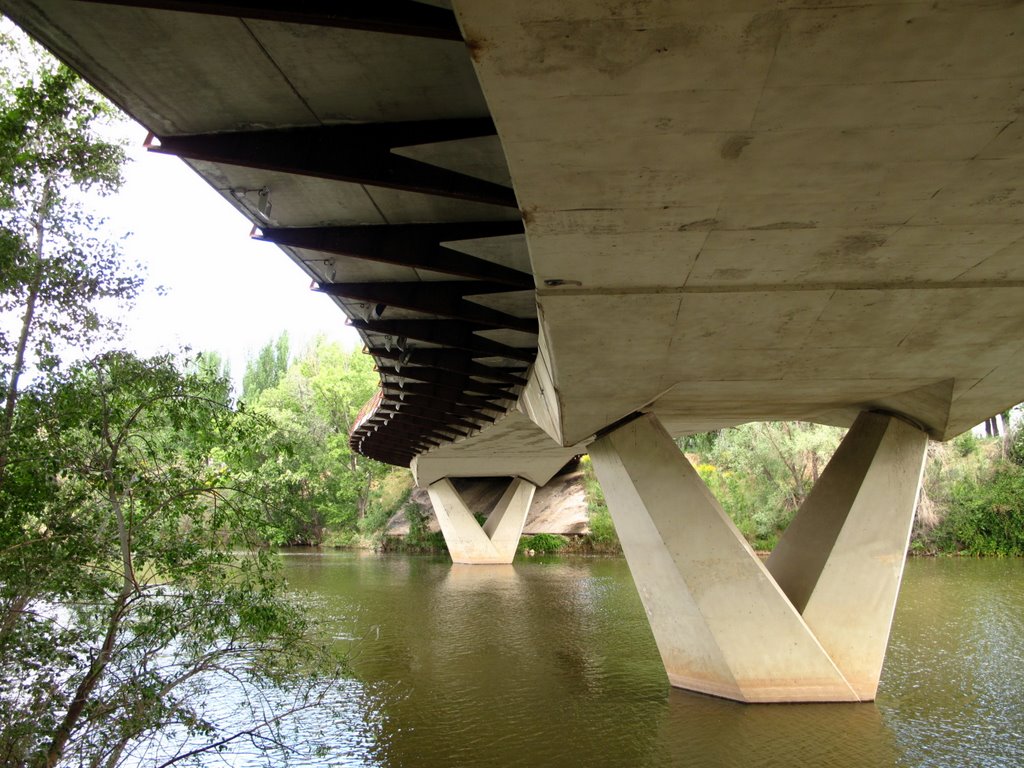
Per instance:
x=971, y=502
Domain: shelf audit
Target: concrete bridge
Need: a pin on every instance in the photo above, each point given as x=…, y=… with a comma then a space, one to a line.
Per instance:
x=591, y=227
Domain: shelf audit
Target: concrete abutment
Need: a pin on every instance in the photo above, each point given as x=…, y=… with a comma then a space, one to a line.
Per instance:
x=811, y=623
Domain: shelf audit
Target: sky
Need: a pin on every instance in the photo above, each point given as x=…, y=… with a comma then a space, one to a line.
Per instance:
x=222, y=291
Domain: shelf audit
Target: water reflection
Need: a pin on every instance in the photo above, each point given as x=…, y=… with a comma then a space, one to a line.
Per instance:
x=715, y=732
x=551, y=662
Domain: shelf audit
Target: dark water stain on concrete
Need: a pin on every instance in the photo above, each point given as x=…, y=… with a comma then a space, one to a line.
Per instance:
x=734, y=146
x=856, y=250
x=764, y=30
x=859, y=245
x=613, y=47
x=785, y=225
x=701, y=225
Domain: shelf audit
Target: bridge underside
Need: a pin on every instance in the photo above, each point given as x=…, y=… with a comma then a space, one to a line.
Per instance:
x=563, y=227
x=759, y=211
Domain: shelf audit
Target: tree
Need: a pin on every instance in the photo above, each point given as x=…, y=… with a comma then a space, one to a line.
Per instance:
x=267, y=369
x=313, y=407
x=133, y=571
x=54, y=272
x=149, y=579
x=762, y=472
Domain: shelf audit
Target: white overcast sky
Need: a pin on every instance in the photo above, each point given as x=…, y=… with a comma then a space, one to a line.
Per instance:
x=224, y=291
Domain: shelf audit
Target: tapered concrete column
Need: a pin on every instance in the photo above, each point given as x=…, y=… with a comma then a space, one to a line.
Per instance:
x=841, y=559
x=722, y=622
x=495, y=541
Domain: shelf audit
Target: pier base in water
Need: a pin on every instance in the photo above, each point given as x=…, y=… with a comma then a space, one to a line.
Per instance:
x=810, y=624
x=493, y=542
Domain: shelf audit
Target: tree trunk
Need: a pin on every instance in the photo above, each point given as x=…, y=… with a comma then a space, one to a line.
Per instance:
x=1007, y=437
x=11, y=390
x=114, y=619
x=85, y=688
x=13, y=610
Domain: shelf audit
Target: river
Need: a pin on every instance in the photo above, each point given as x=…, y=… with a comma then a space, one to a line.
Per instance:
x=550, y=662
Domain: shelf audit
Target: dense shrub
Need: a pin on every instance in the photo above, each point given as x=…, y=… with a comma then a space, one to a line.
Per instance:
x=987, y=517
x=602, y=530
x=543, y=542
x=762, y=472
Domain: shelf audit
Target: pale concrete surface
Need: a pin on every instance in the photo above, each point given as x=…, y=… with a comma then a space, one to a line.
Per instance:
x=469, y=542
x=722, y=624
x=755, y=210
x=841, y=559
x=765, y=210
x=728, y=625
x=512, y=445
x=559, y=507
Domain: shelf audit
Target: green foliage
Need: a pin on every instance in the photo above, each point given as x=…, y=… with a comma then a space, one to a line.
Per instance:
x=55, y=274
x=966, y=444
x=132, y=575
x=543, y=542
x=985, y=517
x=701, y=442
x=320, y=481
x=1016, y=451
x=421, y=538
x=390, y=494
x=599, y=519
x=762, y=472
x=267, y=369
x=133, y=572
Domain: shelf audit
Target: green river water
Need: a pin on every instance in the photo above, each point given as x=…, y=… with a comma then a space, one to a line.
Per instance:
x=550, y=662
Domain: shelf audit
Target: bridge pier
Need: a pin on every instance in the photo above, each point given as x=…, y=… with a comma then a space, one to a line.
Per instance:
x=811, y=623
x=493, y=542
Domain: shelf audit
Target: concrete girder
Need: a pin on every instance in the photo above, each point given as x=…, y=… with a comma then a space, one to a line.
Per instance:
x=724, y=623
x=493, y=542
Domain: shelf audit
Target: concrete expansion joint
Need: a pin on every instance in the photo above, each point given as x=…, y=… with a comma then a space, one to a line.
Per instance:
x=615, y=425
x=908, y=420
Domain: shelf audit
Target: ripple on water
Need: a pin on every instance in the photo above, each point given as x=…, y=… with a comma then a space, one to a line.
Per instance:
x=551, y=663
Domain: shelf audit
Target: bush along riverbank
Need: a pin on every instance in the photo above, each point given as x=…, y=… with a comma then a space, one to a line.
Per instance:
x=971, y=503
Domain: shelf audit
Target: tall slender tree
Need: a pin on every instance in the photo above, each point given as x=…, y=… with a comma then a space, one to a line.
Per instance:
x=133, y=571
x=266, y=370
x=54, y=271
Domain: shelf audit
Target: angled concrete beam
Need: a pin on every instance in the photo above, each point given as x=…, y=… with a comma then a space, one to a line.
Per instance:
x=722, y=624
x=442, y=298
x=400, y=17
x=448, y=423
x=841, y=559
x=810, y=625
x=356, y=153
x=451, y=360
x=446, y=333
x=494, y=542
x=448, y=394
x=408, y=245
x=403, y=399
x=432, y=376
